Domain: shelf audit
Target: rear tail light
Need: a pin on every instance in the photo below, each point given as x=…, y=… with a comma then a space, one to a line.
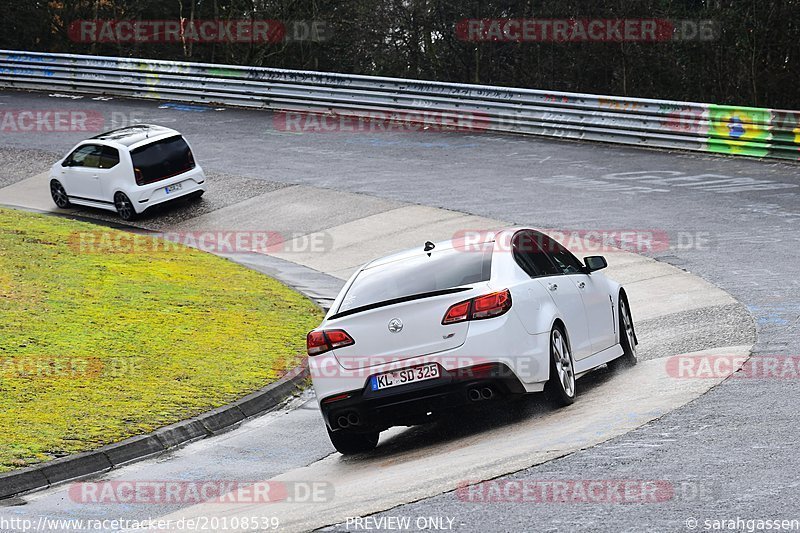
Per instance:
x=491, y=305
x=139, y=176
x=318, y=342
x=486, y=306
x=457, y=313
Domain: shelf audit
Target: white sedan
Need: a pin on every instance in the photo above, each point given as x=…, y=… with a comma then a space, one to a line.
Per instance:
x=128, y=170
x=417, y=333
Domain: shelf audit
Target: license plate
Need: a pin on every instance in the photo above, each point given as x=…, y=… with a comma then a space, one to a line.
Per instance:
x=173, y=188
x=413, y=374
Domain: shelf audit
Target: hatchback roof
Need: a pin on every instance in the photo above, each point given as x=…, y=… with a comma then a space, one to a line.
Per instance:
x=131, y=135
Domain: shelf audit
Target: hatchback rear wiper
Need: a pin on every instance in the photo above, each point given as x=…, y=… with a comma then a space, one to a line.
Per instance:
x=402, y=299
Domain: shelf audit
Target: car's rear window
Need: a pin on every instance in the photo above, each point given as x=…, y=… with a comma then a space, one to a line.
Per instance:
x=161, y=160
x=420, y=274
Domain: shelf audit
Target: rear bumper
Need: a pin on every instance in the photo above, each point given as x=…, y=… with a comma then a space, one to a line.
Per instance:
x=417, y=403
x=501, y=340
x=192, y=182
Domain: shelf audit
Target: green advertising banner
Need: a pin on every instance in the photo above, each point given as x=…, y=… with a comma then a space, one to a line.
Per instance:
x=739, y=130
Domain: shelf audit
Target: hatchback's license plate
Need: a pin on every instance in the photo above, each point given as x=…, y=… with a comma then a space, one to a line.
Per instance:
x=406, y=375
x=173, y=188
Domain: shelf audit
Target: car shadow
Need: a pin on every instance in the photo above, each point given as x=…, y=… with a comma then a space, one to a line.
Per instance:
x=155, y=217
x=474, y=420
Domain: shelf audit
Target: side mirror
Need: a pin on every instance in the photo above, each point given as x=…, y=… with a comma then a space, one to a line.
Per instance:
x=67, y=162
x=595, y=262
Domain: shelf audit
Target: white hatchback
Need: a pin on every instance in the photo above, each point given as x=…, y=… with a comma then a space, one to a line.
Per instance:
x=128, y=170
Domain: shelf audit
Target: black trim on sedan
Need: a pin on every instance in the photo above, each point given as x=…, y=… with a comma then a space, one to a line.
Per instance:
x=417, y=402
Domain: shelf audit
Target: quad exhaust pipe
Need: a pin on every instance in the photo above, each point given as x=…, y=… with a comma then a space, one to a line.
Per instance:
x=479, y=394
x=348, y=420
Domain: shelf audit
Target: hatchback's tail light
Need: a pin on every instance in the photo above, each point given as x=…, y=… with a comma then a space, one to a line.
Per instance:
x=139, y=176
x=480, y=307
x=318, y=342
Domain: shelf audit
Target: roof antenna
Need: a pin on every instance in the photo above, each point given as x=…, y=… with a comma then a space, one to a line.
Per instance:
x=429, y=246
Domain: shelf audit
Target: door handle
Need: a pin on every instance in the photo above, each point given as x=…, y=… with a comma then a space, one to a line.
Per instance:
x=581, y=285
x=95, y=176
x=553, y=287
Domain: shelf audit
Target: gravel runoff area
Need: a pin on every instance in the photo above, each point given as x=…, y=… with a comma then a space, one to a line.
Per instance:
x=19, y=164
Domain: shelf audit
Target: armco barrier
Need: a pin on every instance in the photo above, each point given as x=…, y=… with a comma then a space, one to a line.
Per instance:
x=731, y=130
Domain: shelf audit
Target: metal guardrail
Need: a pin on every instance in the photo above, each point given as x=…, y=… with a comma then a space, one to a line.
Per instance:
x=732, y=130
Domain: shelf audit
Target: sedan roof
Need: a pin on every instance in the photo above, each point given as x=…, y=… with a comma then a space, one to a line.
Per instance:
x=469, y=240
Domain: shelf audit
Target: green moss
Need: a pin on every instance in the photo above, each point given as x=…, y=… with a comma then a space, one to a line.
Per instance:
x=97, y=345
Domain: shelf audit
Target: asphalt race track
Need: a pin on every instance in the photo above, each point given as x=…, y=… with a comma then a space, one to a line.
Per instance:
x=728, y=453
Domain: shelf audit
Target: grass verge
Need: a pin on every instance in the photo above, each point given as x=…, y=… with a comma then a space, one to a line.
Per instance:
x=101, y=343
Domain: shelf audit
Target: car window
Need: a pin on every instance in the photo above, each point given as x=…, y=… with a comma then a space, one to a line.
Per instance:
x=529, y=255
x=87, y=156
x=162, y=159
x=109, y=157
x=419, y=274
x=563, y=258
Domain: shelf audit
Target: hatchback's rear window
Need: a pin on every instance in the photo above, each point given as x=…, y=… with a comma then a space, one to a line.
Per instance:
x=161, y=160
x=420, y=274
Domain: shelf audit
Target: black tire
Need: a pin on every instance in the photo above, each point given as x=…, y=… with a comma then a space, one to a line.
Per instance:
x=627, y=339
x=124, y=207
x=194, y=197
x=353, y=443
x=59, y=195
x=561, y=388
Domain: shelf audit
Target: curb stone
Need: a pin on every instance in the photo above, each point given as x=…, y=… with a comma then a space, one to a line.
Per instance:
x=157, y=442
